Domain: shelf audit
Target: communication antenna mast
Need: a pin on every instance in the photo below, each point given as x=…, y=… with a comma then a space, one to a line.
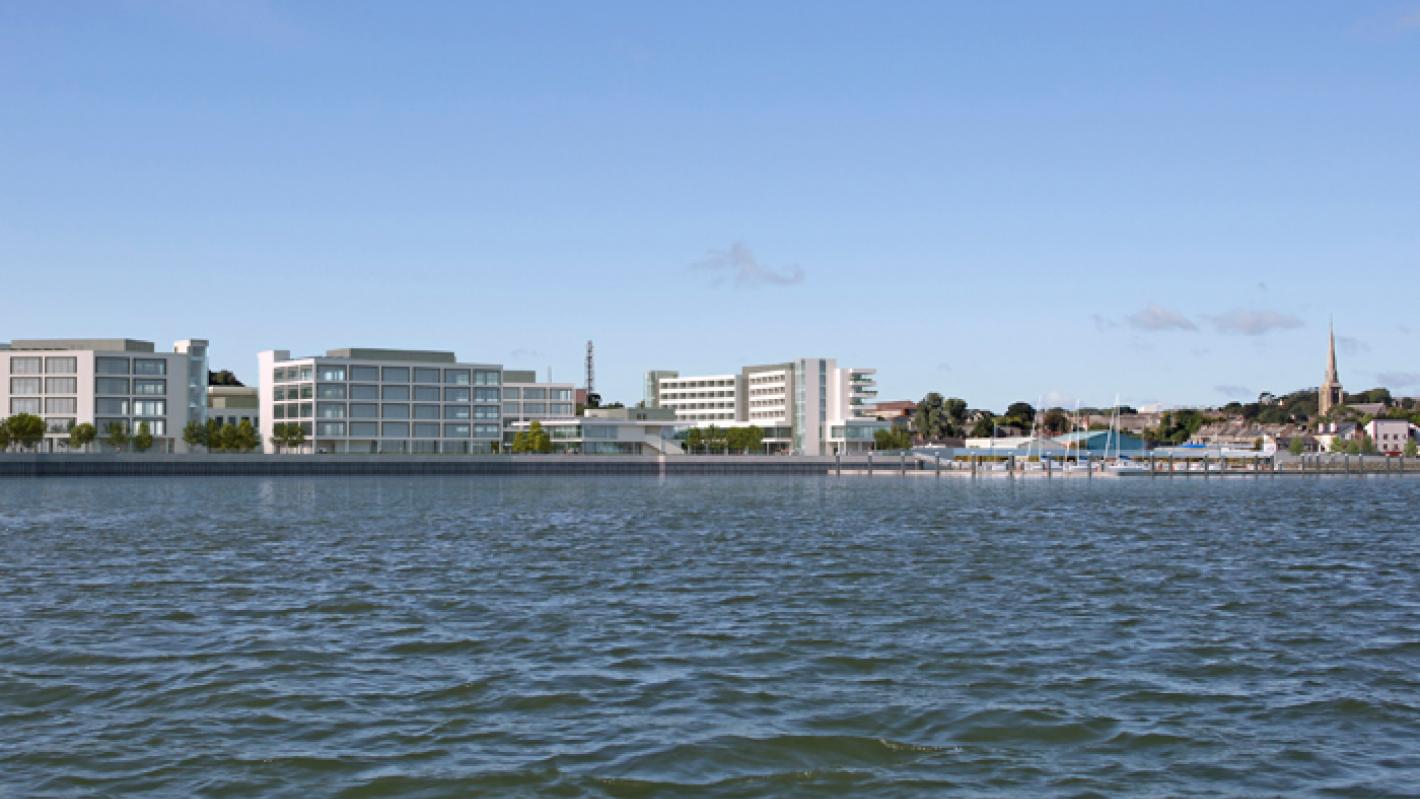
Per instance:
x=594, y=400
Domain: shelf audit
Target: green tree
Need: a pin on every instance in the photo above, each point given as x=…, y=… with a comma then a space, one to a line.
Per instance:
x=894, y=438
x=694, y=439
x=1055, y=422
x=1410, y=448
x=143, y=439
x=715, y=438
x=26, y=429
x=247, y=439
x=81, y=435
x=222, y=378
x=753, y=438
x=1296, y=446
x=1366, y=445
x=295, y=435
x=229, y=438
x=985, y=425
x=213, y=440
x=955, y=408
x=539, y=441
x=1021, y=414
x=194, y=434
x=929, y=420
x=1337, y=445
x=1353, y=447
x=4, y=434
x=281, y=435
x=116, y=435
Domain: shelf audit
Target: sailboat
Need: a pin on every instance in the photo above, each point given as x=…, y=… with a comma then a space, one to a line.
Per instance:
x=1122, y=465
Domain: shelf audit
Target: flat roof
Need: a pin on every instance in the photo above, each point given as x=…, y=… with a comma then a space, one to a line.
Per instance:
x=378, y=354
x=94, y=344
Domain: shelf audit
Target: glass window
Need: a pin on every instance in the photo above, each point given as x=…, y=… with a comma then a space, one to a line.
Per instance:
x=361, y=410
x=61, y=405
x=53, y=425
x=278, y=412
x=485, y=412
x=157, y=427
x=279, y=374
x=394, y=429
x=426, y=411
x=150, y=366
x=456, y=395
x=364, y=392
x=564, y=394
x=330, y=428
x=455, y=411
x=307, y=391
x=61, y=385
x=485, y=394
x=331, y=373
x=111, y=385
x=305, y=372
x=61, y=365
x=456, y=377
x=425, y=375
x=102, y=425
x=426, y=393
x=561, y=409
x=330, y=410
x=150, y=387
x=24, y=385
x=456, y=431
x=111, y=366
x=484, y=378
x=278, y=393
x=111, y=406
x=513, y=408
x=371, y=373
x=150, y=407
x=26, y=365
x=485, y=430
x=535, y=393
x=511, y=393
x=364, y=428
x=24, y=405
x=394, y=411
x=534, y=408
x=331, y=391
x=426, y=430
x=396, y=374
x=395, y=393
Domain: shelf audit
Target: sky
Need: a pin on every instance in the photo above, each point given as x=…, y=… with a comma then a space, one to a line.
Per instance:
x=1040, y=201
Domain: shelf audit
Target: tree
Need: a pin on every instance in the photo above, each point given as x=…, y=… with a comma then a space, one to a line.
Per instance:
x=229, y=438
x=222, y=378
x=26, y=429
x=81, y=435
x=1366, y=445
x=195, y=434
x=895, y=438
x=715, y=438
x=753, y=438
x=285, y=435
x=955, y=408
x=1296, y=446
x=985, y=426
x=1055, y=422
x=1022, y=414
x=534, y=440
x=930, y=420
x=116, y=435
x=247, y=439
x=694, y=439
x=1410, y=448
x=214, y=435
x=295, y=435
x=4, y=434
x=1337, y=445
x=143, y=439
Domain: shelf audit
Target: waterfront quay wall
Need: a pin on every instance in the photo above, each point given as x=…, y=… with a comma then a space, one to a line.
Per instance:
x=160, y=465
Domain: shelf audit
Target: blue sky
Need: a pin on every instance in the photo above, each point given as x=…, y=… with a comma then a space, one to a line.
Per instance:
x=998, y=201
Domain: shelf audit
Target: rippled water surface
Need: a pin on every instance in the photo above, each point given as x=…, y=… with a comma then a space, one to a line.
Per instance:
x=718, y=636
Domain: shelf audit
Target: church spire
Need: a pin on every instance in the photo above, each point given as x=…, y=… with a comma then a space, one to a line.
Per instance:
x=1331, y=355
x=1330, y=396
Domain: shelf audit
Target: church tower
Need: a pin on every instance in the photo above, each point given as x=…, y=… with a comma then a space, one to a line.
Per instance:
x=1330, y=393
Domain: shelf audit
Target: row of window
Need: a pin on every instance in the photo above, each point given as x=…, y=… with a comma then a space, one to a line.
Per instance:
x=371, y=410
x=34, y=364
x=538, y=409
x=102, y=405
x=406, y=430
x=387, y=374
x=157, y=427
x=359, y=391
x=32, y=386
x=563, y=394
x=131, y=366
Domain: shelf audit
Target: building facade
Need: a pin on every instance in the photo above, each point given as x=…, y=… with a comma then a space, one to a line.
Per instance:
x=526, y=400
x=1389, y=435
x=234, y=405
x=614, y=431
x=106, y=382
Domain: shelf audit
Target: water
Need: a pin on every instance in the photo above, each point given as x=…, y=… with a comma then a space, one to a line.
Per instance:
x=439, y=637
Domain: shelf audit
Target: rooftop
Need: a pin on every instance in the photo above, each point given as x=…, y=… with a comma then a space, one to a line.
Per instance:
x=377, y=354
x=94, y=344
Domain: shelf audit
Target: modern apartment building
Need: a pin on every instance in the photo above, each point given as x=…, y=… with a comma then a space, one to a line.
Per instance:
x=234, y=405
x=526, y=400
x=614, y=431
x=809, y=406
x=104, y=382
x=360, y=400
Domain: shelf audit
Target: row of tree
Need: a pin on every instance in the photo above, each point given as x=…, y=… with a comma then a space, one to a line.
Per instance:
x=215, y=436
x=532, y=441
x=26, y=431
x=746, y=440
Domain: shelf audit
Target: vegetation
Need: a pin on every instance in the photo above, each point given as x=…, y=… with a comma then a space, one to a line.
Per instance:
x=1056, y=422
x=533, y=440
x=985, y=425
x=4, y=434
x=937, y=418
x=1296, y=446
x=143, y=439
x=222, y=378
x=1176, y=427
x=896, y=438
x=285, y=436
x=25, y=429
x=195, y=434
x=1019, y=414
x=247, y=438
x=1410, y=448
x=82, y=435
x=116, y=436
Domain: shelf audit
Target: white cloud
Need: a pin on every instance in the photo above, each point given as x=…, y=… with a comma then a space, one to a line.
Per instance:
x=738, y=265
x=1244, y=322
x=1157, y=318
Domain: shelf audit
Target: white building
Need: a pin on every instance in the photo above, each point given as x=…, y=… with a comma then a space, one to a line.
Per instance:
x=106, y=382
x=614, y=431
x=382, y=401
x=232, y=405
x=1389, y=435
x=810, y=406
x=526, y=400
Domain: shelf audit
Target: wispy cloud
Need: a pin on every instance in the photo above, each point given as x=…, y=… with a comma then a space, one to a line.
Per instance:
x=1233, y=392
x=1351, y=345
x=1398, y=379
x=1156, y=318
x=738, y=266
x=1245, y=322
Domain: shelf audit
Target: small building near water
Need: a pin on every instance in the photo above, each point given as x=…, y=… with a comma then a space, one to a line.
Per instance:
x=1101, y=442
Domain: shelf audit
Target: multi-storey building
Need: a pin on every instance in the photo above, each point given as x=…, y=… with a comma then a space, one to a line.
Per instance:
x=382, y=401
x=106, y=382
x=809, y=406
x=527, y=400
x=234, y=405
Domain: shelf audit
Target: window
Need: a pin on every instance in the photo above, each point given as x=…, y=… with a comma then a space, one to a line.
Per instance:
x=456, y=431
x=561, y=409
x=361, y=410
x=278, y=412
x=394, y=429
x=396, y=374
x=485, y=394
x=26, y=366
x=61, y=365
x=364, y=392
x=303, y=410
x=111, y=406
x=61, y=405
x=538, y=408
x=58, y=425
x=455, y=411
x=426, y=411
x=24, y=405
x=157, y=427
x=483, y=378
x=61, y=385
x=426, y=394
x=456, y=395
x=330, y=410
x=423, y=375
x=394, y=411
x=456, y=377
x=512, y=408
x=535, y=393
x=485, y=430
x=426, y=430
x=395, y=393
x=150, y=407
x=150, y=366
x=331, y=391
x=111, y=385
x=331, y=373
x=103, y=425
x=564, y=394
x=330, y=428
x=307, y=391
x=304, y=372
x=512, y=393
x=485, y=412
x=24, y=385
x=371, y=373
x=150, y=387
x=364, y=429
x=111, y=366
